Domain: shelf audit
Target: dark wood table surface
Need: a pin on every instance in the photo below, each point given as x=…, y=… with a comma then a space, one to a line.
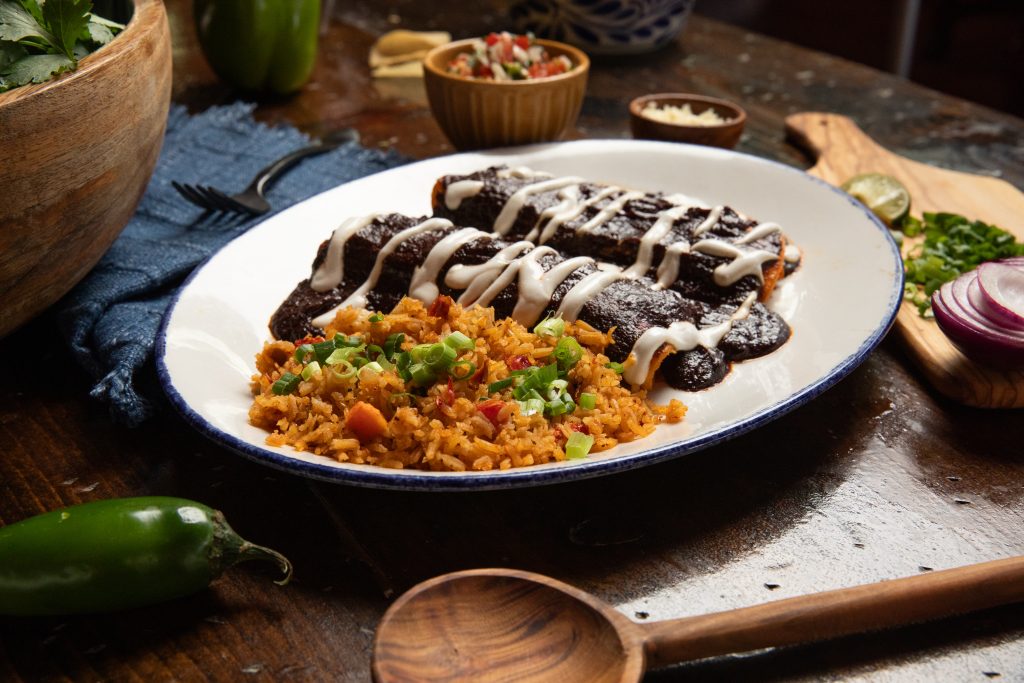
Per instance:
x=878, y=478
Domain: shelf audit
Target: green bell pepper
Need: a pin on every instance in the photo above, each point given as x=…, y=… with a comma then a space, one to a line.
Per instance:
x=259, y=45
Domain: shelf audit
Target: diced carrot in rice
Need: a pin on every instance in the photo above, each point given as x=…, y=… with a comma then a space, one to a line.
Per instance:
x=365, y=421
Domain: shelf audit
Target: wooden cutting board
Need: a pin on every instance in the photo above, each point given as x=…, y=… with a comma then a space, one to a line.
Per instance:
x=842, y=150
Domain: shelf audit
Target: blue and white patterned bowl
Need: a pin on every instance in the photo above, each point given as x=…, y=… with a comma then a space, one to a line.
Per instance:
x=604, y=27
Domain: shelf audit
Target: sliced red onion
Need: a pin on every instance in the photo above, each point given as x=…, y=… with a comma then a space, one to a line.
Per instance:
x=958, y=303
x=972, y=331
x=982, y=305
x=1002, y=284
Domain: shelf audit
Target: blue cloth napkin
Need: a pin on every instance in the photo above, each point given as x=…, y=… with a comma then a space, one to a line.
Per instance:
x=111, y=318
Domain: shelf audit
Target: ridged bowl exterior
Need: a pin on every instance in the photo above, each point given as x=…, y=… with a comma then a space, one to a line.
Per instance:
x=77, y=155
x=477, y=114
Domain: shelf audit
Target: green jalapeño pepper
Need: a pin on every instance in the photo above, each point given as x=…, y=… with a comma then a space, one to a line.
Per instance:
x=117, y=554
x=260, y=45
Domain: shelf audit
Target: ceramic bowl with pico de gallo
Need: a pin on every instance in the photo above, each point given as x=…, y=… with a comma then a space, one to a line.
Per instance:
x=505, y=89
x=508, y=57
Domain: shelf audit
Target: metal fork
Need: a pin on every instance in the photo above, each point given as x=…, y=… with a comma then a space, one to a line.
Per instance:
x=251, y=200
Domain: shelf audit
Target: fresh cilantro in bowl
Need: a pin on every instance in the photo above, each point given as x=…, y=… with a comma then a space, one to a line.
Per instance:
x=39, y=40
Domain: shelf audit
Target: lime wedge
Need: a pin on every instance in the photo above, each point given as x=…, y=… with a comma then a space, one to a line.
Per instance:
x=883, y=194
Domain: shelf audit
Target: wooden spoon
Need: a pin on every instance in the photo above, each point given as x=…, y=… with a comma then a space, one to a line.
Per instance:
x=508, y=625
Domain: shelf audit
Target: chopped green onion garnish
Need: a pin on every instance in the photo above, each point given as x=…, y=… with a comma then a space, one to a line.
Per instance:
x=546, y=375
x=421, y=374
x=373, y=350
x=531, y=406
x=439, y=357
x=523, y=389
x=500, y=385
x=340, y=355
x=462, y=369
x=402, y=362
x=286, y=384
x=419, y=351
x=588, y=401
x=341, y=340
x=323, y=350
x=559, y=384
x=578, y=445
x=343, y=369
x=376, y=318
x=532, y=393
x=555, y=408
x=550, y=327
x=535, y=378
x=459, y=341
x=383, y=362
x=617, y=367
x=310, y=370
x=567, y=353
x=393, y=345
x=372, y=365
x=303, y=352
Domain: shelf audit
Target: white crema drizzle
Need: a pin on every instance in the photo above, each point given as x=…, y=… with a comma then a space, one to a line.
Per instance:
x=759, y=232
x=568, y=202
x=332, y=270
x=683, y=336
x=514, y=204
x=537, y=286
x=742, y=263
x=586, y=289
x=455, y=193
x=521, y=172
x=608, y=212
x=358, y=297
x=666, y=219
x=482, y=282
x=424, y=278
x=668, y=269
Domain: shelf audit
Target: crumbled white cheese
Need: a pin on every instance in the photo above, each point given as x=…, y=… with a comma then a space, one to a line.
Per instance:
x=683, y=115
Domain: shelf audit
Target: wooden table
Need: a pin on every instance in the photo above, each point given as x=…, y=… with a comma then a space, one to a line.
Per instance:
x=878, y=478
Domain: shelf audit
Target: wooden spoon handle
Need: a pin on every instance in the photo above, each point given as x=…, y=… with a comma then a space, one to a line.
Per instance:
x=836, y=613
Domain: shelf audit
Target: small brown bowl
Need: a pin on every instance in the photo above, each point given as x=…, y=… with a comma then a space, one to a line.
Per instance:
x=722, y=135
x=476, y=113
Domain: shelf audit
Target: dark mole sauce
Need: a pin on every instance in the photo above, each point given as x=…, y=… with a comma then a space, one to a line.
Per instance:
x=628, y=307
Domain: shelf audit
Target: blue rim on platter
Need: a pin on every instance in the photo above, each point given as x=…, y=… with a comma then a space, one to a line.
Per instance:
x=377, y=477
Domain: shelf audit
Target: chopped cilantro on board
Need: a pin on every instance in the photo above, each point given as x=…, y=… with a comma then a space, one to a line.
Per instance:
x=952, y=245
x=39, y=40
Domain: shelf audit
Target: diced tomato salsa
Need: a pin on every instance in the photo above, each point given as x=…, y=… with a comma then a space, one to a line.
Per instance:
x=508, y=57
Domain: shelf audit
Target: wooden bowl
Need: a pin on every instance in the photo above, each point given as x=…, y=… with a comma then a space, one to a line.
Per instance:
x=722, y=135
x=476, y=113
x=78, y=152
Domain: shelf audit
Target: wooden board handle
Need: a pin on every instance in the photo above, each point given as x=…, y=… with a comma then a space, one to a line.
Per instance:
x=837, y=613
x=819, y=133
x=841, y=150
